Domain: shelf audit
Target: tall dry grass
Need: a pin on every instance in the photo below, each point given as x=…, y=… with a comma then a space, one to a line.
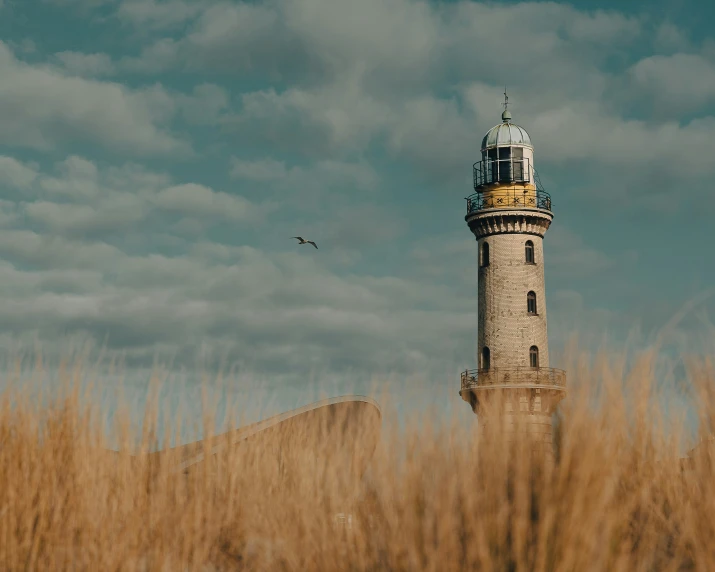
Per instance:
x=433, y=497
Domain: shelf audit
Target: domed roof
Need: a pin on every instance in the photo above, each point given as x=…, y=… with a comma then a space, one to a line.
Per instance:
x=506, y=133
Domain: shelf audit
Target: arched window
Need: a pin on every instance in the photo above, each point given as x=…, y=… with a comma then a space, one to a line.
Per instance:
x=486, y=358
x=485, y=254
x=529, y=252
x=534, y=356
x=531, y=303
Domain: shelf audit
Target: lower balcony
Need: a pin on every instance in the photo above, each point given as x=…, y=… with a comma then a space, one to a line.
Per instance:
x=514, y=376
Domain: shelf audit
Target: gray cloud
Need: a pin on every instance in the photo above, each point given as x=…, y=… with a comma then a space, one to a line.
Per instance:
x=162, y=55
x=27, y=248
x=85, y=220
x=156, y=15
x=671, y=38
x=80, y=3
x=80, y=201
x=325, y=174
x=359, y=227
x=205, y=105
x=570, y=259
x=676, y=84
x=340, y=116
x=78, y=179
x=15, y=174
x=328, y=201
x=401, y=42
x=226, y=37
x=40, y=108
x=86, y=65
x=198, y=200
x=10, y=214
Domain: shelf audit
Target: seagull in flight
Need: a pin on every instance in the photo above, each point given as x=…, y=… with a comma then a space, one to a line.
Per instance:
x=303, y=241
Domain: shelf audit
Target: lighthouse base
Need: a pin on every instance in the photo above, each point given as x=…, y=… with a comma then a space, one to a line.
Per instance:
x=533, y=431
x=521, y=415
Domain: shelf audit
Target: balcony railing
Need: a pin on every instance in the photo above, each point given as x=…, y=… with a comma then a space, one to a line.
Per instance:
x=484, y=378
x=509, y=198
x=503, y=171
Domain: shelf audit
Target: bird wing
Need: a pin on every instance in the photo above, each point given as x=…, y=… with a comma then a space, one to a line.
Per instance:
x=311, y=242
x=298, y=237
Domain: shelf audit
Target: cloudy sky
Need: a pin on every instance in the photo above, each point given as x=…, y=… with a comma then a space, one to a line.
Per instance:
x=156, y=156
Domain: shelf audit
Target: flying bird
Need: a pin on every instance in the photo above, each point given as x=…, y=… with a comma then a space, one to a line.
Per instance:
x=303, y=241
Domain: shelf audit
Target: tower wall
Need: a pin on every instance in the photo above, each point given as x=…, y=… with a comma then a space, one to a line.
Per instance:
x=504, y=325
x=513, y=400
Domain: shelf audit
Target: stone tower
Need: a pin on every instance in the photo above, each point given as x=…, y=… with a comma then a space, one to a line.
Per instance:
x=509, y=214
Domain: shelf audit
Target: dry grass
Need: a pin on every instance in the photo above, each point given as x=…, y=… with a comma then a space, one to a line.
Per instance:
x=433, y=497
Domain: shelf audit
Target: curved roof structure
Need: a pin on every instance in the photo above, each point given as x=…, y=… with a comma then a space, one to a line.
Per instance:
x=506, y=133
x=350, y=424
x=339, y=432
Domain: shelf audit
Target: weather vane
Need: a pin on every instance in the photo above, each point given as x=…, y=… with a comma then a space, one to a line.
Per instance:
x=506, y=100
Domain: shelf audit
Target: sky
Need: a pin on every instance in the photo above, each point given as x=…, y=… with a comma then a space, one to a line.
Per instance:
x=157, y=156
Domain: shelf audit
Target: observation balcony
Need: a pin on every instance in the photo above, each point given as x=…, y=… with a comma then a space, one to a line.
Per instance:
x=496, y=377
x=512, y=198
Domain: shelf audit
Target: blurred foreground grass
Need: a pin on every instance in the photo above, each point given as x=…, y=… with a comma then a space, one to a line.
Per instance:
x=428, y=496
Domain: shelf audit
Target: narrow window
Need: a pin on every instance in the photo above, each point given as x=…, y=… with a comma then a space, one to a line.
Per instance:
x=505, y=171
x=534, y=356
x=517, y=155
x=531, y=303
x=485, y=254
x=493, y=168
x=486, y=358
x=529, y=252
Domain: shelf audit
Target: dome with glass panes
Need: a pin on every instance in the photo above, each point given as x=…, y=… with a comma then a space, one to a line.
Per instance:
x=507, y=155
x=506, y=133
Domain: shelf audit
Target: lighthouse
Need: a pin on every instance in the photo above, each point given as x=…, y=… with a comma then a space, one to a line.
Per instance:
x=509, y=214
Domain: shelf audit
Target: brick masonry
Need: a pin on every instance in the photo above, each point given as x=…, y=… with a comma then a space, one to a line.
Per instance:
x=504, y=323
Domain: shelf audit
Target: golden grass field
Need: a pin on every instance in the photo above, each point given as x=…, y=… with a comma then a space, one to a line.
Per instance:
x=432, y=497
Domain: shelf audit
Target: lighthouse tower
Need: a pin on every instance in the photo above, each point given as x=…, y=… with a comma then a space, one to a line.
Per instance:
x=509, y=214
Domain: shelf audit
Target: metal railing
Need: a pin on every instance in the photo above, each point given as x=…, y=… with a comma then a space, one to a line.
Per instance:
x=476, y=378
x=501, y=171
x=509, y=198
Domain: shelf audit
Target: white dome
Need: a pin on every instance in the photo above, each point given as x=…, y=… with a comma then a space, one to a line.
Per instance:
x=506, y=134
